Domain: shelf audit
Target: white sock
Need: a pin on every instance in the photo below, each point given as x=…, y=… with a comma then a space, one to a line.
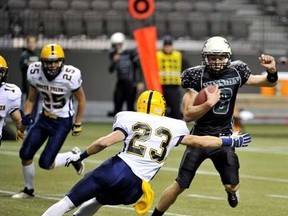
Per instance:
x=28, y=174
x=59, y=208
x=88, y=208
x=60, y=159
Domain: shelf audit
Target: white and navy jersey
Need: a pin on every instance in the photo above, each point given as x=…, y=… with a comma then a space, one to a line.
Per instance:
x=10, y=100
x=56, y=95
x=148, y=141
x=219, y=119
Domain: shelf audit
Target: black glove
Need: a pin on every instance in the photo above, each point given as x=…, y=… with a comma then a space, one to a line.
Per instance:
x=26, y=119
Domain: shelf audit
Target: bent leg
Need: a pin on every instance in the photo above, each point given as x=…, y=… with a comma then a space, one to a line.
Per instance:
x=88, y=208
x=59, y=208
x=227, y=164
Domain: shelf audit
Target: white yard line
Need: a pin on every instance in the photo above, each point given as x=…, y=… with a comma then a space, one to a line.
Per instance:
x=107, y=206
x=205, y=197
x=278, y=196
x=175, y=170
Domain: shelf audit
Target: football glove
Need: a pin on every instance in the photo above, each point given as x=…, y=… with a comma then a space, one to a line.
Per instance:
x=236, y=140
x=76, y=129
x=76, y=158
x=26, y=119
x=72, y=158
x=20, y=135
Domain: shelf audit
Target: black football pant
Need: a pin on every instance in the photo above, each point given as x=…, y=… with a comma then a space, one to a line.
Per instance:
x=125, y=92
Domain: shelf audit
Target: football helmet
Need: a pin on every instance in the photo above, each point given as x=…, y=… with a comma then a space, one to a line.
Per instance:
x=117, y=38
x=52, y=57
x=118, y=42
x=220, y=54
x=3, y=69
x=151, y=102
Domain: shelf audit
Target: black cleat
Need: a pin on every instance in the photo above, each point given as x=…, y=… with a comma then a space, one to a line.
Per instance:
x=25, y=193
x=233, y=198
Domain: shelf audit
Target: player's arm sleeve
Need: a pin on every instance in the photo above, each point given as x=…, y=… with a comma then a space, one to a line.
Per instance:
x=76, y=80
x=119, y=123
x=181, y=131
x=189, y=78
x=15, y=100
x=30, y=75
x=244, y=71
x=112, y=64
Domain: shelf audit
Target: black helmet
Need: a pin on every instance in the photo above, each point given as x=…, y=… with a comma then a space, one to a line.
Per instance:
x=168, y=40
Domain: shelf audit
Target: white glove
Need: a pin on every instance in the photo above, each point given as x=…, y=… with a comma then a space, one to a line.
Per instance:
x=72, y=158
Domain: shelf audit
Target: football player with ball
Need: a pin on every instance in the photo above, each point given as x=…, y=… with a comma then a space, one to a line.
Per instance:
x=148, y=138
x=214, y=119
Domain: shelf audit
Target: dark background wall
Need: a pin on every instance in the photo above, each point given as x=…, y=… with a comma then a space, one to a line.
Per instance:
x=98, y=83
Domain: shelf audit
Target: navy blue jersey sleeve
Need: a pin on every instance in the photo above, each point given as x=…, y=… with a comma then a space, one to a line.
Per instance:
x=242, y=69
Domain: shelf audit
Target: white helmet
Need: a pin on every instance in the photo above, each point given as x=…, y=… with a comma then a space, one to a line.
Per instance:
x=217, y=46
x=117, y=38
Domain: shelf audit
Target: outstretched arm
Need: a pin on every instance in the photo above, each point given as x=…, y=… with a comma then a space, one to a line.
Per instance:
x=99, y=145
x=235, y=140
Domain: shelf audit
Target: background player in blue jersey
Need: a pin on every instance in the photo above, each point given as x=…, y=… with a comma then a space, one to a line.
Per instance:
x=148, y=138
x=217, y=69
x=58, y=85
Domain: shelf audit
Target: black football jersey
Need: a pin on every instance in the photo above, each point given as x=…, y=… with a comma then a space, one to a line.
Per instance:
x=218, y=120
x=127, y=64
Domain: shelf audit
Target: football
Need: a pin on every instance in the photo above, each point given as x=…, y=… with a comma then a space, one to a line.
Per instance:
x=201, y=97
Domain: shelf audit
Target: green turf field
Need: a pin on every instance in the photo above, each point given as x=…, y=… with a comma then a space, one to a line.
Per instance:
x=263, y=175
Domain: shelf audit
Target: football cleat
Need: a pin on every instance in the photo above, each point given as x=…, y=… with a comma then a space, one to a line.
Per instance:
x=25, y=193
x=78, y=165
x=233, y=198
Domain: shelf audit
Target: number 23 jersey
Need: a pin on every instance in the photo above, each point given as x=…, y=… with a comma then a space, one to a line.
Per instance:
x=149, y=139
x=56, y=95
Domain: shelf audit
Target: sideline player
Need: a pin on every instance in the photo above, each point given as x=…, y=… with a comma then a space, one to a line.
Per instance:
x=148, y=138
x=58, y=84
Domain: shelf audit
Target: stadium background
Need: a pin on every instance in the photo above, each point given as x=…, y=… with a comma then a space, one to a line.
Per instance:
x=263, y=175
x=83, y=28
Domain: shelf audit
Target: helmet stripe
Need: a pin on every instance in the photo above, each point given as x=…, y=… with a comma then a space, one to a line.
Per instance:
x=52, y=49
x=149, y=101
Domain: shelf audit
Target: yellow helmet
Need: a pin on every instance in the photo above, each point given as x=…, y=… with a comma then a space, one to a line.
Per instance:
x=3, y=69
x=151, y=102
x=52, y=53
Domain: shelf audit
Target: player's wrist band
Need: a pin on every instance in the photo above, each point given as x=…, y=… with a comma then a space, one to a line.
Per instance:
x=226, y=141
x=84, y=155
x=272, y=77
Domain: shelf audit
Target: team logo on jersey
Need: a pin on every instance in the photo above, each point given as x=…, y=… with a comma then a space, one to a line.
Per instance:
x=2, y=107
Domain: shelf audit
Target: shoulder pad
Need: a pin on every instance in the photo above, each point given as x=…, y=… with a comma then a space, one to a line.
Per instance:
x=13, y=91
x=191, y=77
